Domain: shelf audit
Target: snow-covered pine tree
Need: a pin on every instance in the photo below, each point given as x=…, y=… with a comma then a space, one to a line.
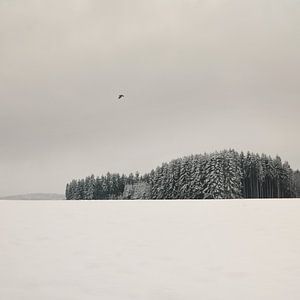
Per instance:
x=261, y=176
x=164, y=181
x=160, y=182
x=198, y=177
x=168, y=182
x=184, y=179
x=214, y=177
x=290, y=185
x=77, y=190
x=176, y=175
x=278, y=174
x=72, y=189
x=264, y=175
x=232, y=174
x=90, y=187
x=67, y=192
x=247, y=175
x=155, y=183
x=98, y=188
x=114, y=186
x=171, y=187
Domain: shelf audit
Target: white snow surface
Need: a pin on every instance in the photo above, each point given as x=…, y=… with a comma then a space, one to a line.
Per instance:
x=156, y=250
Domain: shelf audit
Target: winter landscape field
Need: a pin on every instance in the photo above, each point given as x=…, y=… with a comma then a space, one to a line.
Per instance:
x=121, y=250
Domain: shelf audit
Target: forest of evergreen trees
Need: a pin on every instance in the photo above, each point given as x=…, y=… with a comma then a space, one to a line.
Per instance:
x=220, y=175
x=110, y=186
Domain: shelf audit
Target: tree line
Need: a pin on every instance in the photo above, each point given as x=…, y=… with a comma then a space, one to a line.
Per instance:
x=110, y=186
x=225, y=174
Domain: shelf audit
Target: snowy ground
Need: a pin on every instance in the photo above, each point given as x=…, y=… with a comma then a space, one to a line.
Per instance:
x=156, y=250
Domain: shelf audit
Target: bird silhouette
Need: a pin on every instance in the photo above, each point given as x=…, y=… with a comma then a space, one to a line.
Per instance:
x=121, y=96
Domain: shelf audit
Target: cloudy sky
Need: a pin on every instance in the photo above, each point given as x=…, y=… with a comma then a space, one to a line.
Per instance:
x=198, y=75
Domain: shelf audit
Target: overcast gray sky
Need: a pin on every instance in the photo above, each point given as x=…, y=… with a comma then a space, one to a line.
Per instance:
x=198, y=75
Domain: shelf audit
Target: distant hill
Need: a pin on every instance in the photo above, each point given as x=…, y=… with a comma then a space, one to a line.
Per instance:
x=35, y=196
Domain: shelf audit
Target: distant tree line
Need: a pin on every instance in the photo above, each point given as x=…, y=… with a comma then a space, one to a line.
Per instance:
x=110, y=186
x=220, y=175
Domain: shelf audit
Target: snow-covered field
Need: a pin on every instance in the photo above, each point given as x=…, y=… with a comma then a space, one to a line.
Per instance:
x=156, y=250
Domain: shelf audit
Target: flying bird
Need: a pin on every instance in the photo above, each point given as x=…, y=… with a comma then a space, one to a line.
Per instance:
x=120, y=96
